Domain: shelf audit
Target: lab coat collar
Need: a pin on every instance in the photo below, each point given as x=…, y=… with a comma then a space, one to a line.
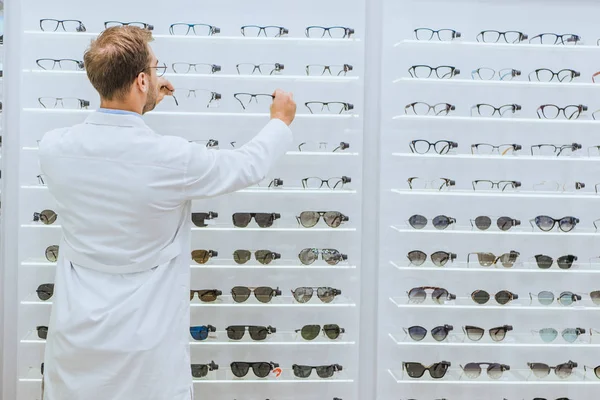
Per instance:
x=121, y=120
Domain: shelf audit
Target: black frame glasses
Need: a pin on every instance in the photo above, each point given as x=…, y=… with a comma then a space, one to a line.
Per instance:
x=552, y=111
x=556, y=149
x=268, y=30
x=486, y=259
x=263, y=294
x=563, y=262
x=497, y=334
x=333, y=219
x=439, y=258
x=311, y=332
x=263, y=220
x=271, y=68
x=483, y=223
x=265, y=257
x=326, y=294
x=334, y=32
x=203, y=29
x=546, y=223
x=59, y=102
x=417, y=370
x=421, y=108
x=202, y=256
x=314, y=182
x=554, y=38
x=488, y=110
x=473, y=370
x=542, y=370
x=439, y=222
x=51, y=25
x=443, y=35
x=324, y=107
x=422, y=146
x=261, y=369
x=256, y=332
x=68, y=63
x=418, y=333
x=185, y=68
x=491, y=36
x=485, y=184
x=342, y=69
x=488, y=74
x=416, y=183
x=425, y=71
x=331, y=256
x=142, y=25
x=418, y=295
x=201, y=370
x=323, y=371
x=547, y=75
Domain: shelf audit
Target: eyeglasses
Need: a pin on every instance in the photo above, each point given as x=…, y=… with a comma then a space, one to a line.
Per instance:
x=488, y=110
x=335, y=70
x=333, y=219
x=503, y=297
x=199, y=68
x=236, y=332
x=556, y=186
x=425, y=71
x=570, y=335
x=45, y=291
x=330, y=256
x=416, y=183
x=331, y=183
x=199, y=218
x=483, y=223
x=335, y=32
x=200, y=96
x=494, y=370
x=332, y=107
x=596, y=370
x=546, y=298
x=417, y=370
x=542, y=370
x=196, y=29
x=201, y=332
x=68, y=25
x=441, y=34
x=206, y=295
x=323, y=145
x=267, y=31
x=67, y=64
x=310, y=332
x=484, y=184
x=143, y=25
x=52, y=253
x=497, y=334
x=495, y=36
x=202, y=256
x=546, y=223
x=161, y=69
x=246, y=99
x=440, y=147
x=564, y=262
x=553, y=38
x=439, y=295
x=262, y=69
x=47, y=217
x=501, y=149
x=557, y=150
x=263, y=220
x=551, y=111
x=547, y=75
x=323, y=371
x=420, y=108
x=264, y=294
x=262, y=256
x=507, y=260
x=488, y=74
x=440, y=222
x=261, y=369
x=325, y=294
x=201, y=370
x=42, y=332
x=63, y=102
x=439, y=258
x=439, y=333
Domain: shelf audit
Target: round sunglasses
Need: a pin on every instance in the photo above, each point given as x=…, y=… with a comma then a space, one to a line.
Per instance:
x=440, y=222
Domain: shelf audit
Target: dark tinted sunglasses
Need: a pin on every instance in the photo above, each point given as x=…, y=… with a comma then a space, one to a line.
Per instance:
x=264, y=294
x=310, y=332
x=263, y=220
x=324, y=371
x=201, y=370
x=439, y=333
x=202, y=256
x=417, y=370
x=42, y=332
x=261, y=369
x=333, y=219
x=201, y=332
x=262, y=256
x=47, y=217
x=325, y=294
x=236, y=332
x=330, y=256
x=45, y=291
x=206, y=295
x=199, y=218
x=52, y=253
x=497, y=334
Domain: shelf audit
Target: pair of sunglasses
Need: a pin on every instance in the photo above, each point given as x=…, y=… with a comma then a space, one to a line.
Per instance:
x=236, y=332
x=42, y=332
x=199, y=218
x=596, y=370
x=323, y=371
x=502, y=297
x=497, y=334
x=439, y=258
x=202, y=256
x=483, y=223
x=261, y=369
x=45, y=291
x=262, y=256
x=564, y=262
x=47, y=217
x=440, y=222
x=419, y=295
x=333, y=219
x=206, y=295
x=546, y=223
x=201, y=370
x=418, y=333
x=488, y=259
x=542, y=370
x=310, y=332
x=263, y=220
x=546, y=298
x=52, y=253
x=330, y=256
x=570, y=335
x=201, y=332
x=494, y=370
x=264, y=294
x=417, y=370
x=325, y=294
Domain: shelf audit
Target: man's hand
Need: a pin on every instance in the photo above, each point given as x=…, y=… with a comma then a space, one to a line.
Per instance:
x=283, y=107
x=165, y=88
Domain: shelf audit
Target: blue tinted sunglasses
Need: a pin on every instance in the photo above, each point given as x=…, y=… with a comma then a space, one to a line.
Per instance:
x=201, y=332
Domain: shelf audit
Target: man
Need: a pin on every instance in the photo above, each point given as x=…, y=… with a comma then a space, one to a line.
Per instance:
x=119, y=327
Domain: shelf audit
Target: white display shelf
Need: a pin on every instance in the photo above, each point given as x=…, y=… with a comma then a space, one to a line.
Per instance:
x=515, y=158
x=512, y=377
x=513, y=83
x=489, y=193
x=224, y=229
x=211, y=39
x=511, y=340
x=519, y=267
x=523, y=303
x=495, y=46
x=227, y=301
x=452, y=118
x=220, y=338
x=511, y=232
x=217, y=76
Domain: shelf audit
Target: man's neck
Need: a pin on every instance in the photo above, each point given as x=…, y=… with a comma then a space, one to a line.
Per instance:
x=120, y=105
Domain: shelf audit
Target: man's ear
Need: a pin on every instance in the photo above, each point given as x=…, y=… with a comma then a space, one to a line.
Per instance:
x=142, y=82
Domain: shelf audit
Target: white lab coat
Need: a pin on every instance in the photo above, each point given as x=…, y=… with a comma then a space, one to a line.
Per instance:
x=119, y=327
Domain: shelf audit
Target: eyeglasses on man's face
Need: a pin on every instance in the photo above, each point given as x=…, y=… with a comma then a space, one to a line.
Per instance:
x=160, y=68
x=266, y=31
x=67, y=25
x=66, y=64
x=183, y=29
x=63, y=102
x=142, y=25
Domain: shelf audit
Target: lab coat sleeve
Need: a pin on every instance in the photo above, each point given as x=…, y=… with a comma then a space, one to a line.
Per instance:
x=214, y=172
